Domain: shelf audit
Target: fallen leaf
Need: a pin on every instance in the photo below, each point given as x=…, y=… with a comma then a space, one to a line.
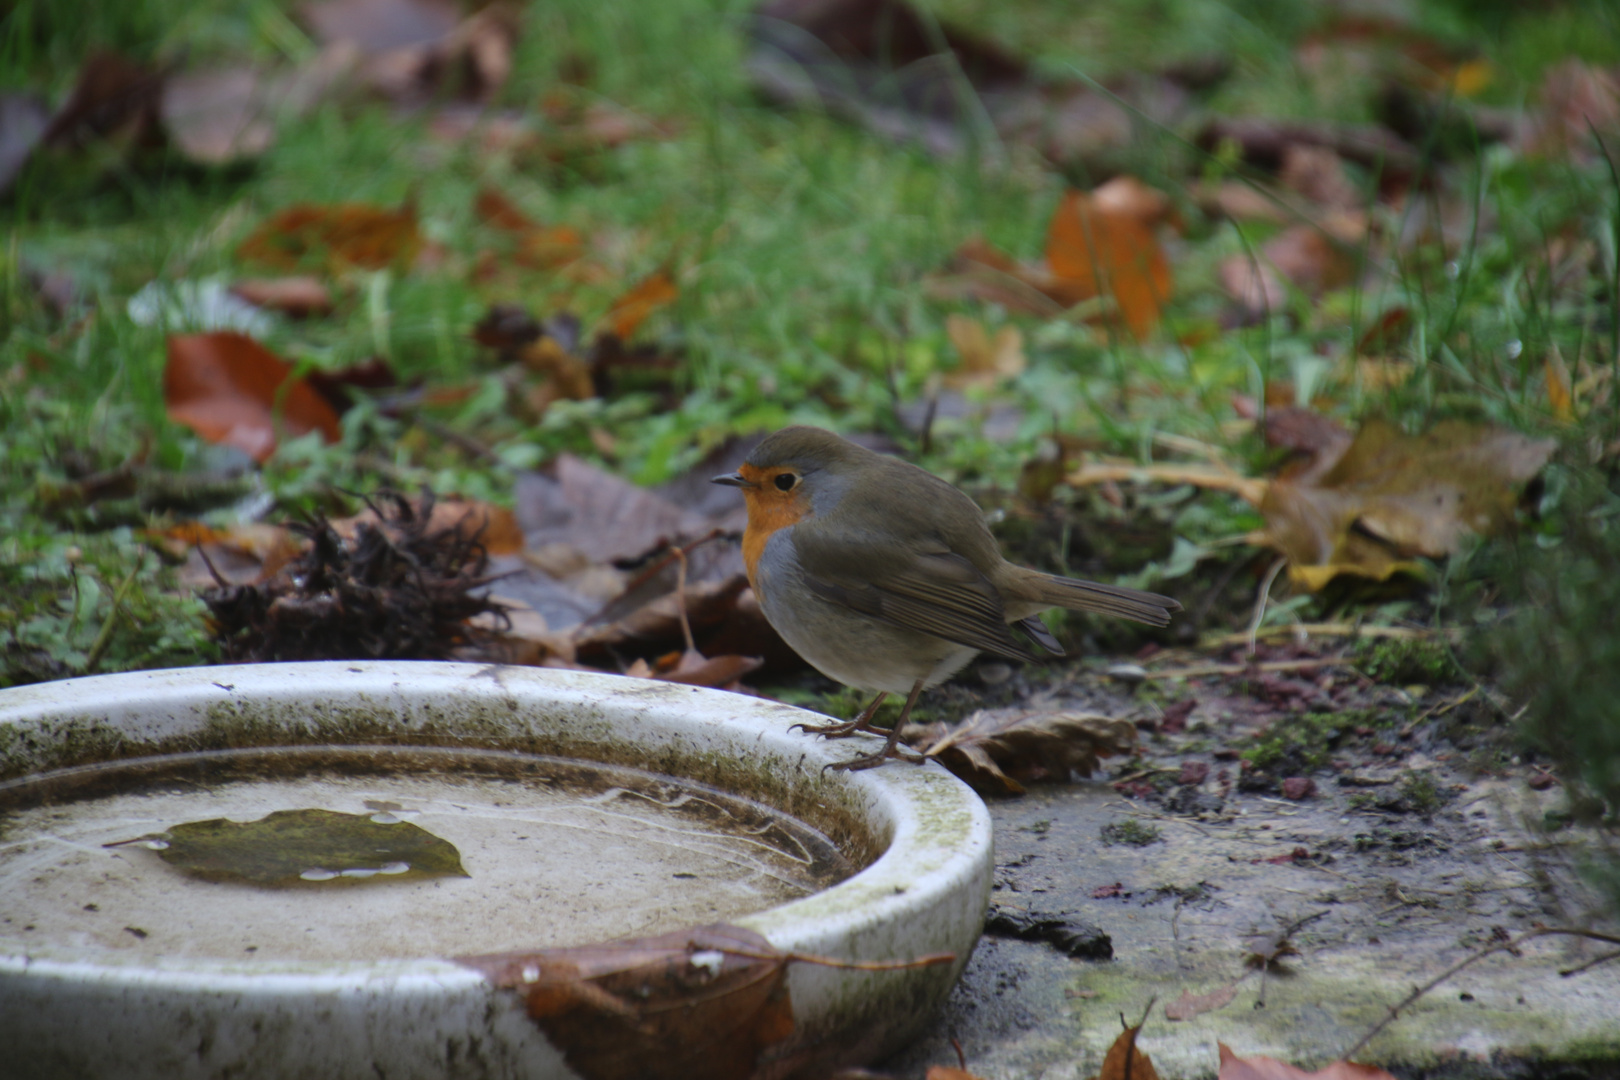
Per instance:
x=985, y=360
x=1104, y=244
x=1189, y=1005
x=990, y=749
x=630, y=310
x=701, y=1002
x=299, y=297
x=219, y=117
x=114, y=99
x=232, y=390
x=419, y=50
x=1265, y=1068
x=1125, y=1062
x=287, y=847
x=1393, y=497
x=336, y=237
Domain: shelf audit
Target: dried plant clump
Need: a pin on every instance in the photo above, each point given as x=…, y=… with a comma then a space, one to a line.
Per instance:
x=399, y=588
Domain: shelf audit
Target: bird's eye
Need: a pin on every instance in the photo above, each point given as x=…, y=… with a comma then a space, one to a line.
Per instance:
x=785, y=481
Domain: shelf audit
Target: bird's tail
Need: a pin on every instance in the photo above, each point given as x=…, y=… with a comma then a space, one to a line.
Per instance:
x=1078, y=595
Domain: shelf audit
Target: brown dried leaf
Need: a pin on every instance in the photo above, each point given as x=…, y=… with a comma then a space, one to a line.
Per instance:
x=1265, y=1068
x=1189, y=1005
x=630, y=310
x=993, y=749
x=1125, y=1062
x=230, y=389
x=1104, y=244
x=115, y=98
x=1392, y=497
x=700, y=1002
x=336, y=237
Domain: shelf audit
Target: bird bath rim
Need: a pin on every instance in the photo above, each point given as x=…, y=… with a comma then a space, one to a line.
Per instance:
x=925, y=891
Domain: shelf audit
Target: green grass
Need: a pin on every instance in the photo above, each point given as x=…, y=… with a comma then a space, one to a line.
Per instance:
x=802, y=244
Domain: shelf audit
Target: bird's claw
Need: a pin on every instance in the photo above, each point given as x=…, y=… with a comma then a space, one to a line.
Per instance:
x=841, y=730
x=872, y=761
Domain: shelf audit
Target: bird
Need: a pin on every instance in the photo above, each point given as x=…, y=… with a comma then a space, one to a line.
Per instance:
x=886, y=578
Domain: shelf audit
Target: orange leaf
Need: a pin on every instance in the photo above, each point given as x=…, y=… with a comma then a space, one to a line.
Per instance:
x=1265, y=1068
x=338, y=237
x=232, y=390
x=1103, y=242
x=1125, y=1062
x=494, y=208
x=631, y=309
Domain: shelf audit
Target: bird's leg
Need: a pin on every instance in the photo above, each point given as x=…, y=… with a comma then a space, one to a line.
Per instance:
x=891, y=748
x=846, y=728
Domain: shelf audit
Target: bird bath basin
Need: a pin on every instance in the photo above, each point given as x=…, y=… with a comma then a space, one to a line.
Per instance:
x=582, y=808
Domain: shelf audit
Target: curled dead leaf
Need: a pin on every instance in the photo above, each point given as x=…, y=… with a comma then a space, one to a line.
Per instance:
x=991, y=750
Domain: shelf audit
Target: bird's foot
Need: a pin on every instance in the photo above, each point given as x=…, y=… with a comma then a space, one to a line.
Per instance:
x=872, y=761
x=837, y=730
x=846, y=728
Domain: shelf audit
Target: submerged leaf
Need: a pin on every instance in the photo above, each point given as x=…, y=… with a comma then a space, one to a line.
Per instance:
x=289, y=846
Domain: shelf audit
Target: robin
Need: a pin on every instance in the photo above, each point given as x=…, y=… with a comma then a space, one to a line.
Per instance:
x=886, y=578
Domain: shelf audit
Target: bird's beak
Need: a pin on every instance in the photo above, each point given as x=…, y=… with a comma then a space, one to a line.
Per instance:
x=735, y=480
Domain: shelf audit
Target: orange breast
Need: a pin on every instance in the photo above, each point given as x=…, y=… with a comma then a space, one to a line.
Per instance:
x=768, y=511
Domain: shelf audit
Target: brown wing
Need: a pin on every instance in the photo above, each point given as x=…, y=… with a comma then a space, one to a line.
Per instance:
x=938, y=592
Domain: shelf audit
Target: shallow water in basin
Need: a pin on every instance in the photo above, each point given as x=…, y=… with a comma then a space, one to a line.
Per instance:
x=558, y=853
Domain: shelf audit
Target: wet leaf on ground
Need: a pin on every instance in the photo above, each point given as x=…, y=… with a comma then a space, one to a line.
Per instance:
x=292, y=846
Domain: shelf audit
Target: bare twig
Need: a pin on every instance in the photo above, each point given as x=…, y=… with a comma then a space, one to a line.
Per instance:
x=1510, y=945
